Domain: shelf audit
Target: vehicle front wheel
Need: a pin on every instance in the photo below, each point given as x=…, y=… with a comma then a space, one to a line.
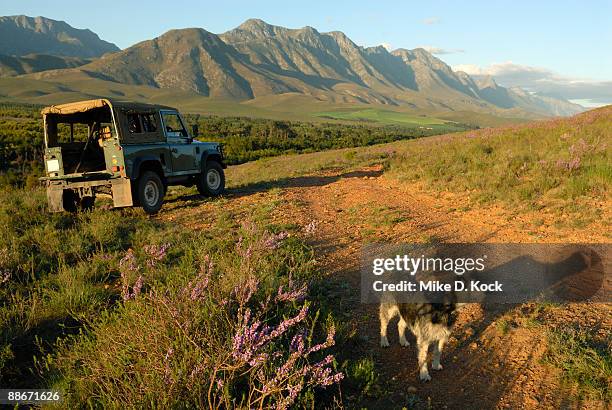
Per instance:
x=150, y=192
x=212, y=180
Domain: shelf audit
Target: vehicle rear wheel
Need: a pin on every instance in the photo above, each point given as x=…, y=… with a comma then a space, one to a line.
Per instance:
x=150, y=192
x=73, y=202
x=87, y=203
x=212, y=180
x=70, y=200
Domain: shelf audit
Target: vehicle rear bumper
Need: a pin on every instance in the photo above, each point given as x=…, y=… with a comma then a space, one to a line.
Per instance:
x=120, y=189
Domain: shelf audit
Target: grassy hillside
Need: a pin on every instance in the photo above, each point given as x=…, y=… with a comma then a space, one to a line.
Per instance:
x=115, y=308
x=562, y=165
x=83, y=295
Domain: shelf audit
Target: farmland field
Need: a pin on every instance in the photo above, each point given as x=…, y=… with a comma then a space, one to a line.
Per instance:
x=384, y=117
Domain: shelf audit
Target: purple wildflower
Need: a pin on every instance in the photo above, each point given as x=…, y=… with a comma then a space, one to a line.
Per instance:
x=579, y=148
x=295, y=390
x=322, y=375
x=249, y=227
x=329, y=342
x=288, y=323
x=297, y=343
x=239, y=243
x=137, y=287
x=274, y=241
x=311, y=227
x=155, y=253
x=125, y=289
x=244, y=291
x=252, y=337
x=292, y=294
x=571, y=165
x=128, y=262
x=195, y=289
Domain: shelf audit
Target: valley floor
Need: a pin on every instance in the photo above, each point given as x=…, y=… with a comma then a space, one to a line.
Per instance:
x=495, y=357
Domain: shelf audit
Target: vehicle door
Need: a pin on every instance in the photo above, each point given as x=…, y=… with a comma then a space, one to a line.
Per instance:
x=182, y=151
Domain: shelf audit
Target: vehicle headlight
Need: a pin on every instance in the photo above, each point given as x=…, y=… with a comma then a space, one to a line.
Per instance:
x=53, y=165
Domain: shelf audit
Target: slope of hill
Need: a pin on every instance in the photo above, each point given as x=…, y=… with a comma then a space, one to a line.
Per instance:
x=33, y=63
x=21, y=35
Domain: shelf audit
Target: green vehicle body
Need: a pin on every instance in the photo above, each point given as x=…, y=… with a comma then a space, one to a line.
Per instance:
x=125, y=142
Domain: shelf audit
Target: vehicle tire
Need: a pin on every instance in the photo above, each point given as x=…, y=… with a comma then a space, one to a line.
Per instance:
x=87, y=203
x=70, y=201
x=212, y=180
x=150, y=192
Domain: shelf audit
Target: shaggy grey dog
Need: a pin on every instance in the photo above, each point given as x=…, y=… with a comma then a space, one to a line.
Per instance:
x=429, y=322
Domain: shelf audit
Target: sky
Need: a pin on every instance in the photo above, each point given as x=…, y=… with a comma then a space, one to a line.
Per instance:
x=561, y=47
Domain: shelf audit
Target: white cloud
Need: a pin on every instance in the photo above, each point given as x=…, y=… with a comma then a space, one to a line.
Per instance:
x=387, y=46
x=471, y=69
x=589, y=103
x=431, y=20
x=544, y=81
x=438, y=50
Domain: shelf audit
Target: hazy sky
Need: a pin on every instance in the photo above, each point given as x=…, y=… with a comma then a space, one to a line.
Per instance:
x=562, y=46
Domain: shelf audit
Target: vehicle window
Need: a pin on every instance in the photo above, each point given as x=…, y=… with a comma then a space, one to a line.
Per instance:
x=148, y=123
x=174, y=126
x=134, y=124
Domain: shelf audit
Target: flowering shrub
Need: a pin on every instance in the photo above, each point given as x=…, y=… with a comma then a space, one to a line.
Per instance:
x=224, y=328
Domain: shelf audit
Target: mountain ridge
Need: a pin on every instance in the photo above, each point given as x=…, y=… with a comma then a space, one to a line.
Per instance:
x=257, y=59
x=21, y=35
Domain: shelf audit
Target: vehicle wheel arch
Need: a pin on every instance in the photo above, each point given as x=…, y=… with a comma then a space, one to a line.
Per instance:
x=210, y=156
x=149, y=164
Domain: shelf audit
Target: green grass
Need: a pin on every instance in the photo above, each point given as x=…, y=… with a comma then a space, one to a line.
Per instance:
x=560, y=164
x=584, y=360
x=383, y=117
x=65, y=322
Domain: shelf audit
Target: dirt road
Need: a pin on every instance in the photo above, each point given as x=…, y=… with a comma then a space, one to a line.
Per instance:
x=494, y=358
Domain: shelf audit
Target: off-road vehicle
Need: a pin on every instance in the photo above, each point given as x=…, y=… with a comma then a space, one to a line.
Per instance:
x=130, y=151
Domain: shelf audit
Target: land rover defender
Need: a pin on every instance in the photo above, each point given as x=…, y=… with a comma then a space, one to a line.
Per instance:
x=130, y=151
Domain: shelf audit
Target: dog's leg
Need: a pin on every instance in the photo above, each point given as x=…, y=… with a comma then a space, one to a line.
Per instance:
x=422, y=347
x=401, y=328
x=437, y=352
x=383, y=313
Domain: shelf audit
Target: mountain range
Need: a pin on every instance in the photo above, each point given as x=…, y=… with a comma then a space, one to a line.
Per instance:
x=258, y=61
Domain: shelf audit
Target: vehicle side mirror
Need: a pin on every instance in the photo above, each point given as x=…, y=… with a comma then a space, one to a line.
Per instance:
x=195, y=131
